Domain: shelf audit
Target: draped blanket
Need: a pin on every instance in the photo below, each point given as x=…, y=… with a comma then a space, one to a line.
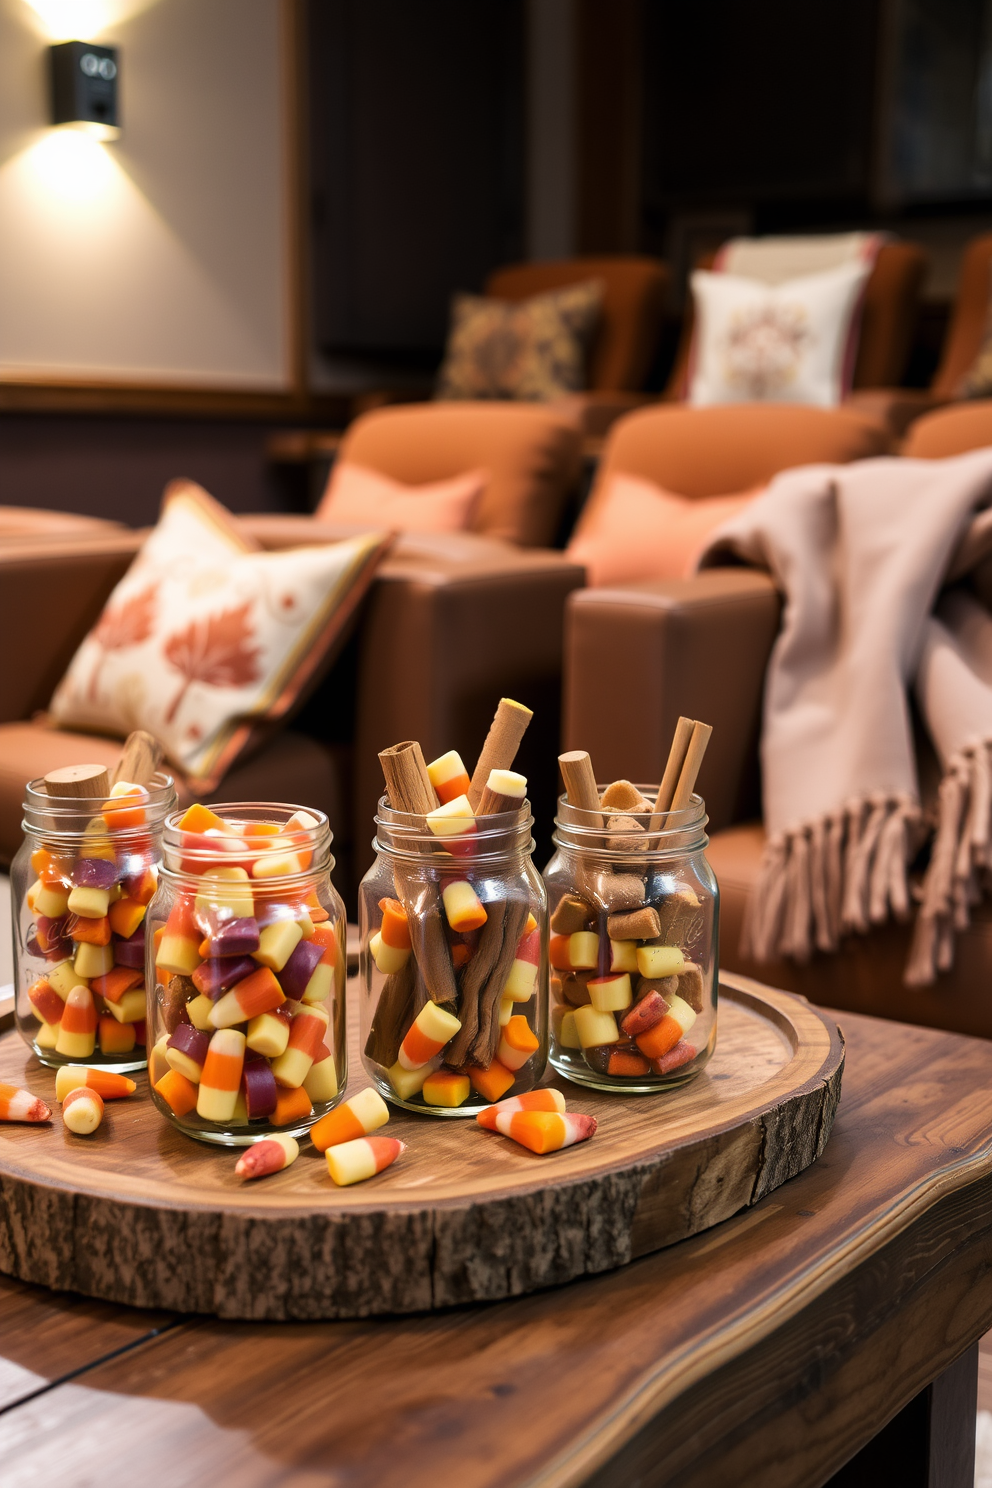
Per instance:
x=862, y=554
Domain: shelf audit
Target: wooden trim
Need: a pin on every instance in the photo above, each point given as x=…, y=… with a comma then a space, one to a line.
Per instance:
x=296, y=156
x=155, y=400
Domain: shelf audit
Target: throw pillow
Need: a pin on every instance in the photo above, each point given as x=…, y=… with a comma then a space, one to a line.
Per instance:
x=786, y=343
x=532, y=349
x=206, y=639
x=634, y=529
x=356, y=494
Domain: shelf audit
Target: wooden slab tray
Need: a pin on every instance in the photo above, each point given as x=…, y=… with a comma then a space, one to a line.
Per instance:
x=140, y=1214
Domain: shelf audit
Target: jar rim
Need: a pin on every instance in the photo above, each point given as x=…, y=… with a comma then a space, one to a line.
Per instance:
x=68, y=817
x=505, y=834
x=650, y=835
x=184, y=849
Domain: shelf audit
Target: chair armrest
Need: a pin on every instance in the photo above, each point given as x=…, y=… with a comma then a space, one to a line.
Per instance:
x=594, y=413
x=51, y=592
x=637, y=656
x=896, y=408
x=452, y=625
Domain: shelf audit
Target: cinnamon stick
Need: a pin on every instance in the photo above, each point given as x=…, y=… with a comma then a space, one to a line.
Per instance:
x=408, y=784
x=432, y=952
x=487, y=1039
x=676, y=759
x=394, y=1012
x=140, y=758
x=580, y=780
x=694, y=758
x=474, y=978
x=500, y=748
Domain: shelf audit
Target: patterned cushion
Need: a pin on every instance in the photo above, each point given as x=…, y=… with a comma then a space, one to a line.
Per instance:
x=206, y=639
x=532, y=349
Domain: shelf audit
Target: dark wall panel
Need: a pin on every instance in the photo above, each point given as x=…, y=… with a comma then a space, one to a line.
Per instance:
x=417, y=145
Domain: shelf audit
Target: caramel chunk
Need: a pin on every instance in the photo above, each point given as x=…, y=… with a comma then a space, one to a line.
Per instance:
x=622, y=796
x=680, y=918
x=638, y=924
x=619, y=891
x=626, y=835
x=666, y=986
x=571, y=914
x=690, y=980
x=575, y=987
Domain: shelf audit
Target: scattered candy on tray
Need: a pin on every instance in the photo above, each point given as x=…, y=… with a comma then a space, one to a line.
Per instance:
x=21, y=1105
x=544, y=1099
x=82, y=1110
x=353, y=1162
x=545, y=1131
x=107, y=1083
x=363, y=1113
x=270, y=1155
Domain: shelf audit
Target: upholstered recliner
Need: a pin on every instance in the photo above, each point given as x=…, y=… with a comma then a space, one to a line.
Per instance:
x=451, y=623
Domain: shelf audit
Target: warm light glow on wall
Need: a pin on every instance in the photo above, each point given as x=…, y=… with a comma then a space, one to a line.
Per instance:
x=71, y=166
x=83, y=20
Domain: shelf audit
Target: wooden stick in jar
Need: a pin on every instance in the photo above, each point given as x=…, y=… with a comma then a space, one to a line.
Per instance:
x=505, y=791
x=694, y=758
x=580, y=780
x=408, y=784
x=86, y=782
x=140, y=758
x=673, y=769
x=500, y=749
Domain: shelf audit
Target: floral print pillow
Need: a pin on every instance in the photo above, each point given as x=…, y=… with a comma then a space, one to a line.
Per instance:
x=206, y=638
x=532, y=349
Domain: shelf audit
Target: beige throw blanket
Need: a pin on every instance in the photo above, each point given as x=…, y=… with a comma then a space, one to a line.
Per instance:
x=861, y=553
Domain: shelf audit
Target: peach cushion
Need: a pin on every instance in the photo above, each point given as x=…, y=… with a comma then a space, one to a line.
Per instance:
x=356, y=494
x=637, y=530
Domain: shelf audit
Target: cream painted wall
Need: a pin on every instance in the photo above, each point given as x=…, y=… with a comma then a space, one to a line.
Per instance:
x=161, y=258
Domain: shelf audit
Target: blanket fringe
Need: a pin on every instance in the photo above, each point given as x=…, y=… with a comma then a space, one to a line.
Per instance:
x=961, y=850
x=833, y=876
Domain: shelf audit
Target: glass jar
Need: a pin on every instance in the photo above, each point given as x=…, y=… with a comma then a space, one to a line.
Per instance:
x=246, y=973
x=454, y=941
x=633, y=950
x=80, y=886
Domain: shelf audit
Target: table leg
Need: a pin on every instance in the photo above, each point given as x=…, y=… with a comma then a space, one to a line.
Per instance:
x=930, y=1443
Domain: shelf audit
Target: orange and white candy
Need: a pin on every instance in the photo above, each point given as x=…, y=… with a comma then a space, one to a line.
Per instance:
x=356, y=1117
x=462, y=906
x=107, y=1083
x=545, y=1131
x=270, y=1155
x=21, y=1105
x=531, y=1100
x=353, y=1162
x=448, y=776
x=522, y=978
x=82, y=1110
x=427, y=1035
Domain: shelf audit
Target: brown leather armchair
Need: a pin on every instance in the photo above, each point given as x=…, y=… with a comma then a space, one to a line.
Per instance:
x=638, y=655
x=477, y=619
x=532, y=455
x=951, y=431
x=19, y=523
x=888, y=320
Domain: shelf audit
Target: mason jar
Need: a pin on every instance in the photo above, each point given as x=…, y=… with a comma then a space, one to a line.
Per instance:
x=80, y=886
x=634, y=914
x=453, y=963
x=246, y=973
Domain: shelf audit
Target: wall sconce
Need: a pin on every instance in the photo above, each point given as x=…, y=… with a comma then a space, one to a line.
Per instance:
x=84, y=88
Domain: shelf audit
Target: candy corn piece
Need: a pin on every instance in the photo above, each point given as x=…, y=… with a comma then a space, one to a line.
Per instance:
x=576, y=952
x=21, y=1105
x=291, y=1106
x=545, y=1131
x=178, y=1093
x=453, y=818
x=522, y=979
x=106, y=1083
x=220, y=1081
x=363, y=1113
x=82, y=1110
x=395, y=927
x=269, y=1156
x=256, y=994
x=46, y=1002
x=532, y=1100
x=664, y=1035
x=306, y=1035
x=114, y=1037
x=446, y=1088
x=179, y=948
x=77, y=1031
x=407, y=1083
x=611, y=994
x=518, y=1043
x=353, y=1162
x=448, y=776
x=92, y=961
x=127, y=810
x=321, y=1083
x=659, y=961
x=462, y=905
x=388, y=959
x=493, y=1082
x=427, y=1035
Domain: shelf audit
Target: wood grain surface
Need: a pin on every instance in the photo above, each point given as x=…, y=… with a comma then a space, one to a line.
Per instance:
x=762, y=1354
x=130, y=1213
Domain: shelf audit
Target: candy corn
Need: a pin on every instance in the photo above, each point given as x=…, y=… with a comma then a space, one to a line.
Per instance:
x=518, y=1043
x=452, y=819
x=353, y=1162
x=291, y=1106
x=448, y=776
x=427, y=1035
x=446, y=1088
x=611, y=994
x=545, y=1131
x=664, y=1035
x=492, y=1083
x=532, y=1100
x=77, y=1031
x=522, y=978
x=462, y=906
x=363, y=1113
x=306, y=1034
x=220, y=1080
x=268, y=1156
x=576, y=952
x=178, y=1093
x=21, y=1105
x=107, y=1083
x=256, y=994
x=82, y=1110
x=388, y=959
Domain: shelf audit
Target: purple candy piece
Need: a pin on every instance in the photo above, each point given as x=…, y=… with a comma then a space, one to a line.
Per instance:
x=235, y=938
x=131, y=951
x=215, y=977
x=94, y=873
x=191, y=1042
x=300, y=968
x=259, y=1086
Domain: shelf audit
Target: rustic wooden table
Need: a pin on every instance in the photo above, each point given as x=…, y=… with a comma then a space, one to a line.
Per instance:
x=769, y=1351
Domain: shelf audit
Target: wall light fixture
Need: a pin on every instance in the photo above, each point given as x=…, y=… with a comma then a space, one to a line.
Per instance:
x=84, y=87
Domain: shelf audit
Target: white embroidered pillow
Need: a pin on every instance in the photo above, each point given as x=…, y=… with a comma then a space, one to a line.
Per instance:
x=206, y=638
x=785, y=343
